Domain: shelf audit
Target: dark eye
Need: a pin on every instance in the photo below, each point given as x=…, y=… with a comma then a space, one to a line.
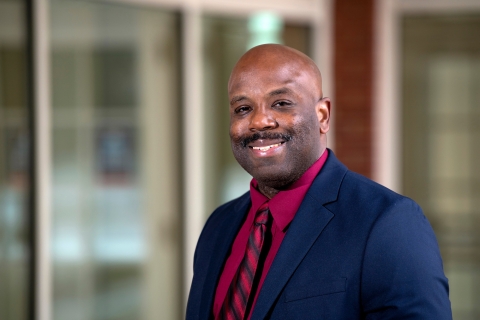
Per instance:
x=242, y=110
x=280, y=104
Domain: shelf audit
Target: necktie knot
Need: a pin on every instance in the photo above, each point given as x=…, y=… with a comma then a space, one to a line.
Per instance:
x=262, y=215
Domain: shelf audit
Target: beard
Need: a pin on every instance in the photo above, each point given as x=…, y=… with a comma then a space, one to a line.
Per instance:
x=301, y=143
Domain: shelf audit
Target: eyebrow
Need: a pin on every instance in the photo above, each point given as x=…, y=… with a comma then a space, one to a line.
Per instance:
x=237, y=99
x=275, y=92
x=279, y=92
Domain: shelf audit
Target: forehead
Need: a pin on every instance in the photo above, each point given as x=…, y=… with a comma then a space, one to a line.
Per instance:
x=258, y=77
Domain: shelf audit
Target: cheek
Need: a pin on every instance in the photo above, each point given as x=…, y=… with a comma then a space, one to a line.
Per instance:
x=311, y=121
x=235, y=136
x=237, y=124
x=307, y=129
x=238, y=130
x=302, y=121
x=234, y=129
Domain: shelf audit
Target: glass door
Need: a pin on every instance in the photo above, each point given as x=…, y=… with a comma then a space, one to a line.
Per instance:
x=116, y=232
x=441, y=149
x=15, y=163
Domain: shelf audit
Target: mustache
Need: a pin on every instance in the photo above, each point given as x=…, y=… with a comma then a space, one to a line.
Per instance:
x=246, y=139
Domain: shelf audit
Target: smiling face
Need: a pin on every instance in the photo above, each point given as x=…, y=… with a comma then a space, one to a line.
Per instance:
x=278, y=119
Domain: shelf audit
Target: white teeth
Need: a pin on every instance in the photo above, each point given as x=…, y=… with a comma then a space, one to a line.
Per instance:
x=267, y=147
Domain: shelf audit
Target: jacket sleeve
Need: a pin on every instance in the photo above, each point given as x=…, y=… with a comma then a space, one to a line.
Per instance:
x=402, y=272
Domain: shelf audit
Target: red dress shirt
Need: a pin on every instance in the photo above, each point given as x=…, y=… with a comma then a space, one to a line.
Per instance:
x=283, y=207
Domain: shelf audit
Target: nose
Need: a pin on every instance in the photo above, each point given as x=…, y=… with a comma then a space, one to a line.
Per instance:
x=262, y=119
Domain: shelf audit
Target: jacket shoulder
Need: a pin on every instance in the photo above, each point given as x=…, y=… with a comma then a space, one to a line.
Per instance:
x=217, y=219
x=222, y=212
x=362, y=190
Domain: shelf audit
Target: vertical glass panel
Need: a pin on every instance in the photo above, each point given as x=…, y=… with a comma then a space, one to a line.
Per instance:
x=441, y=113
x=225, y=40
x=15, y=153
x=116, y=162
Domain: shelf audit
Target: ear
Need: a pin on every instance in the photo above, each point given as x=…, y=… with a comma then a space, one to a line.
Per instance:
x=323, y=114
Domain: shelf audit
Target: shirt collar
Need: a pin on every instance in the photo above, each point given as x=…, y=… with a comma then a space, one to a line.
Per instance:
x=284, y=205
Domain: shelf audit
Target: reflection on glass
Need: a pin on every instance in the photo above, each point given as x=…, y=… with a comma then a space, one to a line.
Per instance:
x=441, y=143
x=264, y=27
x=225, y=39
x=14, y=164
x=116, y=145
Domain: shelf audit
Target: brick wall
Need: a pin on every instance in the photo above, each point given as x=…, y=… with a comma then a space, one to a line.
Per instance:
x=353, y=32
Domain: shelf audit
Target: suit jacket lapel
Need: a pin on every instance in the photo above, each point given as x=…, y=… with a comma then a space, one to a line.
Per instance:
x=309, y=222
x=225, y=237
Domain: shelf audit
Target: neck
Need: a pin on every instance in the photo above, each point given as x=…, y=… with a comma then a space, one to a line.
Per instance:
x=269, y=192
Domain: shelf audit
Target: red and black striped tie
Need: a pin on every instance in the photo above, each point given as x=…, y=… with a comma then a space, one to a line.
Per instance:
x=240, y=291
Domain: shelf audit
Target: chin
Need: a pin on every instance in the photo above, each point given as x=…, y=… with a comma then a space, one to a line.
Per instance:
x=276, y=179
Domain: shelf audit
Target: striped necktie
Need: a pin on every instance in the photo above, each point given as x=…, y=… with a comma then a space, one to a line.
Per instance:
x=240, y=294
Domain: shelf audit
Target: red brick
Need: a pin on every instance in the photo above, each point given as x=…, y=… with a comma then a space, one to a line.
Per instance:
x=353, y=72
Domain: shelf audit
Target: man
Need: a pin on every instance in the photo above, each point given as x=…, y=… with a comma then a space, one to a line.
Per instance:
x=311, y=240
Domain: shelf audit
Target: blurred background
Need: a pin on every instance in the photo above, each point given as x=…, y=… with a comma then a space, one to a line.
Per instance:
x=114, y=144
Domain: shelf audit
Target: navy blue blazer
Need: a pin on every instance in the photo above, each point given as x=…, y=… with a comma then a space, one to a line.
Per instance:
x=355, y=250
